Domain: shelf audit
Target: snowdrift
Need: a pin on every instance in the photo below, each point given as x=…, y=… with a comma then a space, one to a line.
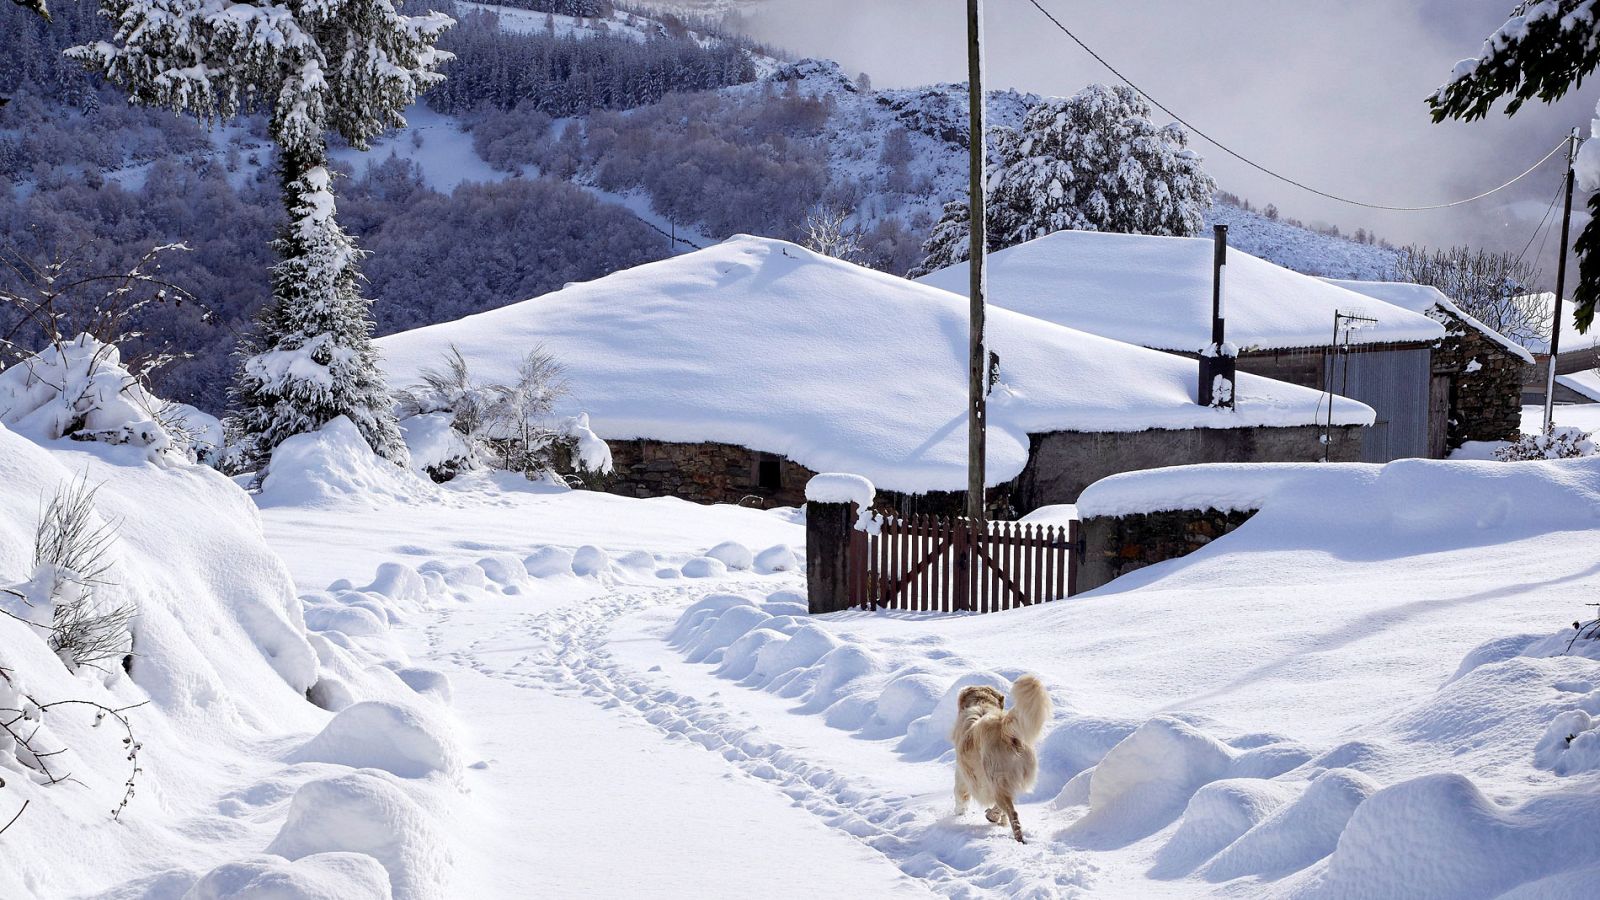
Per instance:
x=1477, y=780
x=215, y=612
x=1404, y=507
x=229, y=692
x=842, y=369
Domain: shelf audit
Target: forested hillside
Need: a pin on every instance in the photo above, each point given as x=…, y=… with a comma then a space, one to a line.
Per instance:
x=571, y=144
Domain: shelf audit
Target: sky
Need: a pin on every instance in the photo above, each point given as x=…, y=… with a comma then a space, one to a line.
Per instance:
x=1331, y=94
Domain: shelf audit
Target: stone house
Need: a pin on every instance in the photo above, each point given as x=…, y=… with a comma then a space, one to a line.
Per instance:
x=735, y=373
x=1479, y=371
x=1410, y=364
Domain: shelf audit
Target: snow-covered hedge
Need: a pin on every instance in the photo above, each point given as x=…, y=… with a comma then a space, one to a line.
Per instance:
x=80, y=389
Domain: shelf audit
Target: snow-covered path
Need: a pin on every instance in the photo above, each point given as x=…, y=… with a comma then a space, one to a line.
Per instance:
x=632, y=730
x=565, y=777
x=639, y=765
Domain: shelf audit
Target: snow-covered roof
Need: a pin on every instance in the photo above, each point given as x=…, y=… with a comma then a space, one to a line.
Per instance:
x=1420, y=298
x=1156, y=292
x=1586, y=383
x=840, y=368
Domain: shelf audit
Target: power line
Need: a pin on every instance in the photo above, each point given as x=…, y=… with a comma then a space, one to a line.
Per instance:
x=1258, y=166
x=1540, y=227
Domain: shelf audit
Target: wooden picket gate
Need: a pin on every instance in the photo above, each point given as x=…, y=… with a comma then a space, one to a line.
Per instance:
x=936, y=564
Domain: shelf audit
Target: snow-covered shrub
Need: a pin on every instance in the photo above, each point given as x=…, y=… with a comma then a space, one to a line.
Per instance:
x=71, y=559
x=446, y=395
x=80, y=389
x=453, y=422
x=1557, y=443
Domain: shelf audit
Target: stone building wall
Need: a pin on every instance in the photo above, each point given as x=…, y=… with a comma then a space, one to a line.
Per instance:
x=1486, y=402
x=1060, y=465
x=706, y=473
x=1116, y=545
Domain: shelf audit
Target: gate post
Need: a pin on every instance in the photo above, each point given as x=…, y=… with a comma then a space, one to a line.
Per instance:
x=834, y=503
x=828, y=532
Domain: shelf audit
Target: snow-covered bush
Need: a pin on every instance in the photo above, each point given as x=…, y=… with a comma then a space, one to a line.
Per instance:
x=453, y=422
x=1557, y=443
x=80, y=389
x=446, y=396
x=61, y=599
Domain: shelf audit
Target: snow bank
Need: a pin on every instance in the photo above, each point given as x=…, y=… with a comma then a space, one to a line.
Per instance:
x=1439, y=836
x=1299, y=832
x=361, y=812
x=767, y=345
x=335, y=465
x=81, y=389
x=1156, y=292
x=1228, y=487
x=733, y=554
x=320, y=876
x=221, y=656
x=377, y=734
x=777, y=558
x=762, y=646
x=1409, y=496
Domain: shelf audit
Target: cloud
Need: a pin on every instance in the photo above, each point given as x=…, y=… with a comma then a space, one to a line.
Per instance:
x=1331, y=94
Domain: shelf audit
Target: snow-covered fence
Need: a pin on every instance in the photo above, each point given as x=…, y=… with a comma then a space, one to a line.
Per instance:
x=856, y=558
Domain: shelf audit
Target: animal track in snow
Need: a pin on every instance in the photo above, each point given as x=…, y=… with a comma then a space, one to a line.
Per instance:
x=568, y=654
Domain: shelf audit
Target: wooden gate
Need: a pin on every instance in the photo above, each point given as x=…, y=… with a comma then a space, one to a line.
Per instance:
x=934, y=564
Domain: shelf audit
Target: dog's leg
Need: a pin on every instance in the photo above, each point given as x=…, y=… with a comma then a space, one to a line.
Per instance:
x=994, y=815
x=1011, y=813
x=962, y=794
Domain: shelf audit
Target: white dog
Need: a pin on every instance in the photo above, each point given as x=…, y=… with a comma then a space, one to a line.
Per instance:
x=995, y=757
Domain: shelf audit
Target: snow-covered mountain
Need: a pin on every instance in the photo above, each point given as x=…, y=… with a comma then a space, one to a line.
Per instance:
x=1302, y=249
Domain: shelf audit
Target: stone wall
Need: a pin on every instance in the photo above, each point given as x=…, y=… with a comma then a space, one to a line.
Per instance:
x=1116, y=545
x=1061, y=464
x=1485, y=403
x=705, y=473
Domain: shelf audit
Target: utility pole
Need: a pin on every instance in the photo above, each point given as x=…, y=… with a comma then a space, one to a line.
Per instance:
x=1561, y=288
x=978, y=361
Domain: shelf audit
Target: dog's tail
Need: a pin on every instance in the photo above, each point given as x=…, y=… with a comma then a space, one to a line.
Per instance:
x=1030, y=708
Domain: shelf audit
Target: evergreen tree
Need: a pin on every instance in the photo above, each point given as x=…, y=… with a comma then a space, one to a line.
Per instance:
x=1092, y=162
x=1544, y=49
x=950, y=242
x=313, y=66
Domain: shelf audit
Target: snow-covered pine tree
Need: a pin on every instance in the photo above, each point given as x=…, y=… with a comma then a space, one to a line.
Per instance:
x=1544, y=49
x=950, y=241
x=1094, y=162
x=313, y=66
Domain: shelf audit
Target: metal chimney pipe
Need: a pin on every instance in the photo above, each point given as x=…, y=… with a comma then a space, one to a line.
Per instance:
x=1217, y=362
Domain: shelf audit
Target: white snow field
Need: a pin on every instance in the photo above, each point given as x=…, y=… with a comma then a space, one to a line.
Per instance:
x=380, y=687
x=837, y=367
x=1156, y=292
